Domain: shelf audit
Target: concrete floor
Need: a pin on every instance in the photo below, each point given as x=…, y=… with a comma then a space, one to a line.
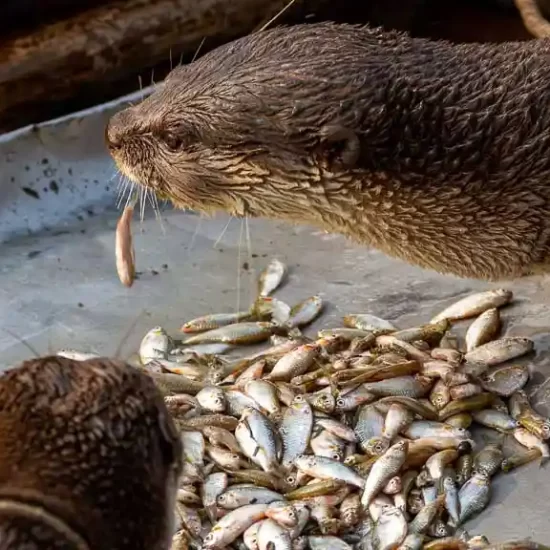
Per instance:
x=58, y=285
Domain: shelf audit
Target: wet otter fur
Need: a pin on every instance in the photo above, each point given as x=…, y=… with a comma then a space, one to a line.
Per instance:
x=89, y=457
x=432, y=152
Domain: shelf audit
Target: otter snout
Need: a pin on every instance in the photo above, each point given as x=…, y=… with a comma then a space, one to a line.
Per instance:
x=116, y=128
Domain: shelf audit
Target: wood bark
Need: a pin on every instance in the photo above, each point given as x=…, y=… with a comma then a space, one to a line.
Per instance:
x=111, y=42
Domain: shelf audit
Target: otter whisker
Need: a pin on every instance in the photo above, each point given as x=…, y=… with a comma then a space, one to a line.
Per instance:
x=153, y=76
x=223, y=232
x=198, y=49
x=251, y=278
x=194, y=236
x=170, y=54
x=276, y=16
x=153, y=199
x=239, y=247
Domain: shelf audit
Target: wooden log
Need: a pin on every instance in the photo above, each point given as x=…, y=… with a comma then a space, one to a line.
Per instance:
x=111, y=42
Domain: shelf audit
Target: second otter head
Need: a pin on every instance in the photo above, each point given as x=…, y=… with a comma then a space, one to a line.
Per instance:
x=253, y=127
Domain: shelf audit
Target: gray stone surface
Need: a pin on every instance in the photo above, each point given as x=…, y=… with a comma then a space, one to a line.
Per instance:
x=58, y=285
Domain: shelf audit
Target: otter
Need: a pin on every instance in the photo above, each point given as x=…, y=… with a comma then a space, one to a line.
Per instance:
x=432, y=152
x=89, y=457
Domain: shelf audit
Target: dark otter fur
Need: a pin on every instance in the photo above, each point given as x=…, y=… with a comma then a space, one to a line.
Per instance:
x=89, y=458
x=432, y=152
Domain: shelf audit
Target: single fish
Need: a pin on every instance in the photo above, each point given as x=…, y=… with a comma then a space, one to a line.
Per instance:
x=214, y=485
x=199, y=422
x=531, y=441
x=474, y=496
x=386, y=467
x=296, y=362
x=436, y=463
x=505, y=380
x=326, y=468
x=351, y=510
x=190, y=519
x=495, y=419
x=427, y=515
x=328, y=445
x=390, y=530
x=257, y=439
x=295, y=430
x=155, y=345
x=214, y=321
x=253, y=372
x=461, y=420
x=535, y=423
x=237, y=401
x=430, y=333
x=370, y=323
x=283, y=513
x=488, y=460
x=452, y=502
x=272, y=277
x=258, y=477
x=520, y=459
x=234, y=524
x=224, y=458
x=498, y=351
x=483, y=329
x=265, y=394
x=240, y=495
x=314, y=489
x=337, y=428
x=250, y=536
x=465, y=390
x=417, y=407
x=475, y=304
x=220, y=437
x=343, y=332
x=353, y=399
x=393, y=486
x=272, y=536
x=236, y=334
x=193, y=448
x=408, y=386
x=447, y=543
x=322, y=401
x=305, y=312
x=452, y=356
x=124, y=247
x=398, y=418
x=171, y=384
x=369, y=429
x=464, y=468
x=212, y=399
x=327, y=543
x=407, y=483
x=428, y=428
x=468, y=404
x=303, y=514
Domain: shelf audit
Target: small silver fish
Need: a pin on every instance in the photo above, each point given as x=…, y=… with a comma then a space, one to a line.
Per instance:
x=295, y=430
x=242, y=494
x=155, y=345
x=294, y=363
x=234, y=524
x=483, y=329
x=272, y=536
x=76, y=355
x=494, y=419
x=265, y=394
x=498, y=351
x=214, y=321
x=214, y=485
x=257, y=439
x=212, y=399
x=474, y=496
x=452, y=502
x=326, y=468
x=327, y=543
x=387, y=466
x=271, y=278
x=283, y=513
x=305, y=312
x=369, y=428
x=505, y=380
x=391, y=529
x=397, y=419
x=489, y=460
x=367, y=322
x=475, y=304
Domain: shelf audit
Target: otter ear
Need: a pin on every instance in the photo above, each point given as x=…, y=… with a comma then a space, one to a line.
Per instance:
x=341, y=145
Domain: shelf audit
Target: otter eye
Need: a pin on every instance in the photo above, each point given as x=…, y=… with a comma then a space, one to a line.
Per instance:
x=172, y=141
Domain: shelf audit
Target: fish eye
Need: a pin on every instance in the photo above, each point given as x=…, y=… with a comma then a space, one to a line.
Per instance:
x=291, y=480
x=545, y=428
x=336, y=456
x=340, y=402
x=221, y=498
x=299, y=399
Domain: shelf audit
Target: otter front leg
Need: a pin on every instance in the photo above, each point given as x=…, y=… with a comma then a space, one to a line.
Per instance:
x=341, y=145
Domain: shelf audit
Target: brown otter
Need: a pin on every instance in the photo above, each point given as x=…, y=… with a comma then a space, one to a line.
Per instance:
x=89, y=457
x=433, y=152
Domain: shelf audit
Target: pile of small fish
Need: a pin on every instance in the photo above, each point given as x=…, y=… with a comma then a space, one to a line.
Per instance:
x=358, y=439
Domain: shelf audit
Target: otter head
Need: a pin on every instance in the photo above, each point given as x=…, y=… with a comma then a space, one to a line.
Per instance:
x=87, y=448
x=256, y=127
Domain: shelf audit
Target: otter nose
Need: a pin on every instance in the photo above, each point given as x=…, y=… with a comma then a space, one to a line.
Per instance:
x=117, y=128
